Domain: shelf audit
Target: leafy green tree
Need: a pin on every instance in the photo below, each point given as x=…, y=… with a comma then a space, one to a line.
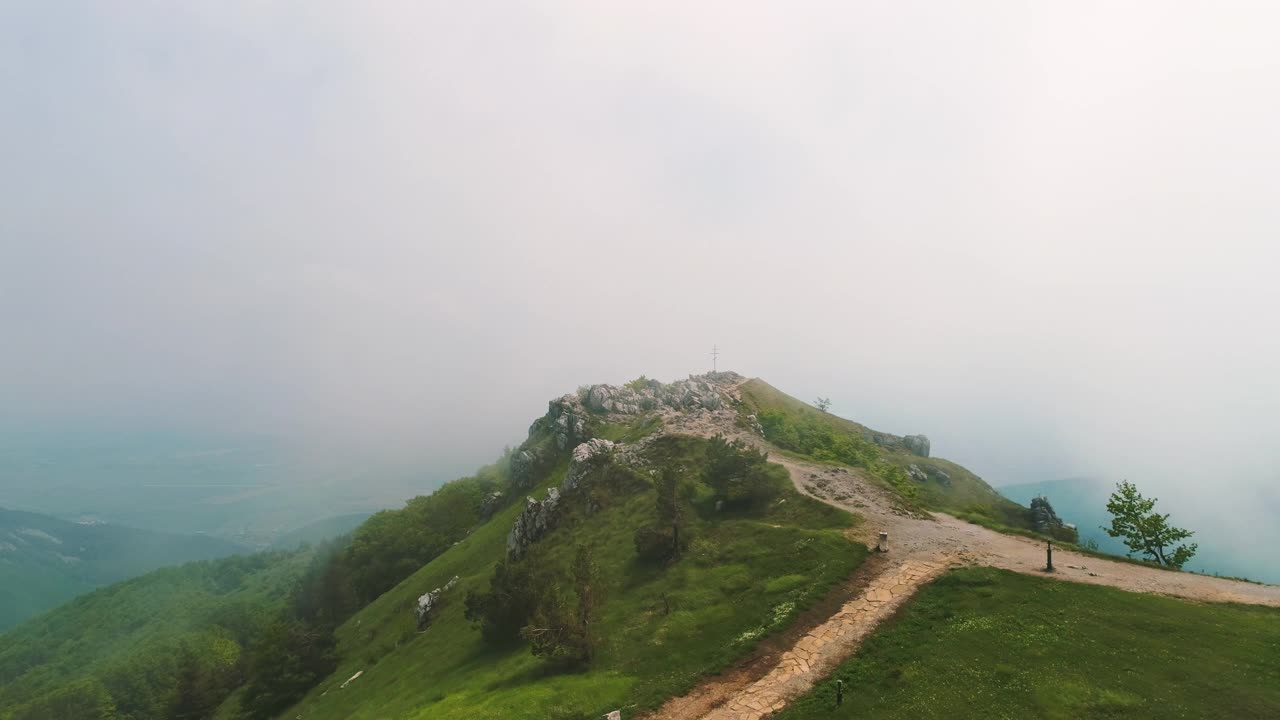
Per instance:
x=393, y=544
x=325, y=594
x=195, y=698
x=1133, y=518
x=561, y=634
x=288, y=660
x=668, y=537
x=739, y=473
x=586, y=576
x=823, y=404
x=507, y=606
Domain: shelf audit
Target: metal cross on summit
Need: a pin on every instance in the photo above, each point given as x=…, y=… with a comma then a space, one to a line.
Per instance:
x=715, y=353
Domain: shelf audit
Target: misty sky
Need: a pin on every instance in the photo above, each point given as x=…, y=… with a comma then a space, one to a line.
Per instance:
x=1044, y=234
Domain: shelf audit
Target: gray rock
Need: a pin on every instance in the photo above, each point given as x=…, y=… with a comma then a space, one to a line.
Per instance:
x=701, y=391
x=585, y=457
x=600, y=398
x=490, y=504
x=567, y=423
x=884, y=440
x=916, y=473
x=524, y=467
x=1043, y=518
x=430, y=601
x=532, y=523
x=917, y=445
x=753, y=422
x=941, y=475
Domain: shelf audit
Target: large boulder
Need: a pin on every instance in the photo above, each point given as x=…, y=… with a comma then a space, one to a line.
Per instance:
x=916, y=445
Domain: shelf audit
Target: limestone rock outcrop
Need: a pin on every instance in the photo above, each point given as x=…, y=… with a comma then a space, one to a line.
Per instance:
x=697, y=392
x=1043, y=518
x=524, y=466
x=585, y=457
x=430, y=601
x=532, y=523
x=566, y=421
x=490, y=504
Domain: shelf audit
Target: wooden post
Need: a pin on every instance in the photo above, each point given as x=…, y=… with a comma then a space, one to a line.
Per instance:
x=1048, y=554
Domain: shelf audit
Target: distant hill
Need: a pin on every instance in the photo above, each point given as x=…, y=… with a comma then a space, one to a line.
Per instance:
x=320, y=530
x=45, y=561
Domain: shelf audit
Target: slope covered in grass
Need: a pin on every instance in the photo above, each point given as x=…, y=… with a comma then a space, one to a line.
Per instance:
x=660, y=627
x=800, y=428
x=984, y=643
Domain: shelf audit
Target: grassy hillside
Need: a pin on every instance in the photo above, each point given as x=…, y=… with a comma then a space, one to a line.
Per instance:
x=660, y=627
x=125, y=639
x=800, y=428
x=984, y=643
x=45, y=561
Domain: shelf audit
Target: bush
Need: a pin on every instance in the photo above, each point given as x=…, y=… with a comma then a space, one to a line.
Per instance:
x=559, y=632
x=287, y=661
x=507, y=606
x=739, y=474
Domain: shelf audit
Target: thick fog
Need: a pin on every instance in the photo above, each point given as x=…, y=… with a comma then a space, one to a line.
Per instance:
x=1043, y=234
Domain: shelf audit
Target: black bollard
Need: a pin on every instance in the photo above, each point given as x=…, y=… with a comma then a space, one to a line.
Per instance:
x=839, y=692
x=1048, y=554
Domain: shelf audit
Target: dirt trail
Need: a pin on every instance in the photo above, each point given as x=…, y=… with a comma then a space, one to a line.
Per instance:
x=920, y=548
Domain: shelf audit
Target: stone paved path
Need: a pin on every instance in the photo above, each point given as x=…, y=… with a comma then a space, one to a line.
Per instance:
x=819, y=651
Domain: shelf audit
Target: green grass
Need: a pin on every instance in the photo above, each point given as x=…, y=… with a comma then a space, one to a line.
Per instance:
x=985, y=643
x=745, y=575
x=815, y=435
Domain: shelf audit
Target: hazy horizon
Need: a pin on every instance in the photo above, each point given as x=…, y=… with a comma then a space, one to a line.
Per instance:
x=1043, y=236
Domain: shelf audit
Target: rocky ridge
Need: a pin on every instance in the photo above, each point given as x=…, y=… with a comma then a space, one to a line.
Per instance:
x=569, y=422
